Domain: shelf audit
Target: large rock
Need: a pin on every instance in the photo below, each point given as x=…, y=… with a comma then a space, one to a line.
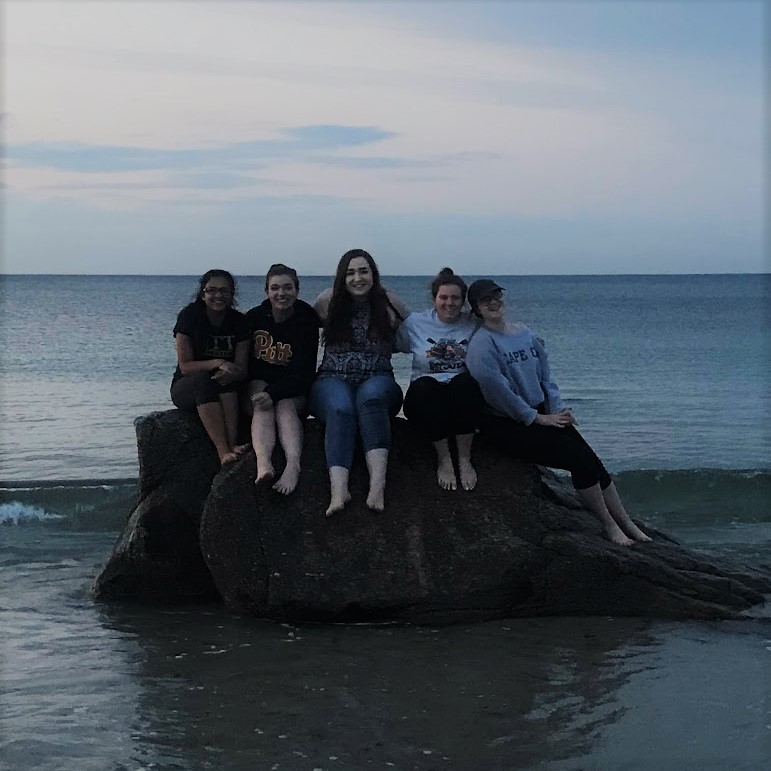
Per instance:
x=158, y=556
x=519, y=545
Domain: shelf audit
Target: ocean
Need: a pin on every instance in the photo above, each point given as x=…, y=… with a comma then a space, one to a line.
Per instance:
x=669, y=381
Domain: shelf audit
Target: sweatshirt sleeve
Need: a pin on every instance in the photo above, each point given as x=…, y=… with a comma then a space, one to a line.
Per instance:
x=301, y=370
x=483, y=363
x=550, y=389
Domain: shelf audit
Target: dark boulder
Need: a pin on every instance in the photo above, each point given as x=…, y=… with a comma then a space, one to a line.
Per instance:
x=519, y=545
x=158, y=555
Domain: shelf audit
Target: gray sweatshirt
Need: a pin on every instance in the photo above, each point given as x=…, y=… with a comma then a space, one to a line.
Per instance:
x=438, y=349
x=512, y=370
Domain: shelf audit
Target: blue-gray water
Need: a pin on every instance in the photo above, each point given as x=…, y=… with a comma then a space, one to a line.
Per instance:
x=667, y=375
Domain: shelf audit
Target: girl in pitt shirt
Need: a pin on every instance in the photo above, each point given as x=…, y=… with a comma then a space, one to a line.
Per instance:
x=282, y=365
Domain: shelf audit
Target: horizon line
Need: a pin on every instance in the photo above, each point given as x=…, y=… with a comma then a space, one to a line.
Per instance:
x=386, y=275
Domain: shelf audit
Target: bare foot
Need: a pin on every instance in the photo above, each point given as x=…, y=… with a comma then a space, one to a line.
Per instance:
x=240, y=449
x=338, y=504
x=468, y=475
x=616, y=535
x=445, y=475
x=264, y=476
x=634, y=532
x=376, y=500
x=288, y=480
x=227, y=458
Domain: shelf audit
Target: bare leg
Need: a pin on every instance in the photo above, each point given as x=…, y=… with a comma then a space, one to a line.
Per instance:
x=445, y=472
x=592, y=497
x=468, y=474
x=338, y=484
x=213, y=420
x=377, y=463
x=290, y=436
x=617, y=511
x=229, y=402
x=263, y=441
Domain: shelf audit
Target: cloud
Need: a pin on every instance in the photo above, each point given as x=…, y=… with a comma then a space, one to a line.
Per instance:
x=299, y=143
x=441, y=111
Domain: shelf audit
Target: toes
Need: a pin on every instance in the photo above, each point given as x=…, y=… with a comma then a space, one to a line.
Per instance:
x=264, y=479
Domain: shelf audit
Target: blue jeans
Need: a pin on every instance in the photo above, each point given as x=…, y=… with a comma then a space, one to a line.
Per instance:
x=342, y=406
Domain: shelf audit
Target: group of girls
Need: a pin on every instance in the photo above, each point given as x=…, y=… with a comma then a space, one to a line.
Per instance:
x=471, y=372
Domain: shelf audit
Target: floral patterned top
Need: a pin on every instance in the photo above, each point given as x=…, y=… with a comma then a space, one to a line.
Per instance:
x=360, y=359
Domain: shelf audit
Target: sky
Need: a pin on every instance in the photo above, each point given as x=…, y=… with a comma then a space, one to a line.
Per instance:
x=497, y=137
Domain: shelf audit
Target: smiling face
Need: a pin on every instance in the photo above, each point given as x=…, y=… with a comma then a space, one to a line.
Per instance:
x=491, y=309
x=217, y=294
x=281, y=293
x=448, y=302
x=358, y=278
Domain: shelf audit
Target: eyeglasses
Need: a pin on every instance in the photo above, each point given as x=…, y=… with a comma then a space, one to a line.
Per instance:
x=213, y=291
x=495, y=297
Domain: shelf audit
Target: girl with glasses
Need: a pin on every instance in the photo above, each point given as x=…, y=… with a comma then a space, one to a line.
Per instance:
x=212, y=340
x=524, y=415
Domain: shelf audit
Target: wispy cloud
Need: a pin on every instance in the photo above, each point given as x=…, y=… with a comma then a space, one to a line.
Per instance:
x=299, y=143
x=554, y=113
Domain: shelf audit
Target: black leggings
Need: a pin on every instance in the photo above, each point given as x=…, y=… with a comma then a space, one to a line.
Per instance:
x=548, y=446
x=444, y=409
x=190, y=391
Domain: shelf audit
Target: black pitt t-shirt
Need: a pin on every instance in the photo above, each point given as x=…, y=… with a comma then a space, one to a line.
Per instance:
x=209, y=341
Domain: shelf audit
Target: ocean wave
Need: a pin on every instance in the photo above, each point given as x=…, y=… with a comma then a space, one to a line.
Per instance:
x=683, y=496
x=700, y=495
x=75, y=505
x=15, y=513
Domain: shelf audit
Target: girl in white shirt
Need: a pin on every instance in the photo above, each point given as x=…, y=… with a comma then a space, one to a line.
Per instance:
x=443, y=400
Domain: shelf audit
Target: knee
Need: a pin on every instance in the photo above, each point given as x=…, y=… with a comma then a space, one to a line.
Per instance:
x=205, y=389
x=584, y=473
x=379, y=393
x=340, y=412
x=422, y=388
x=288, y=411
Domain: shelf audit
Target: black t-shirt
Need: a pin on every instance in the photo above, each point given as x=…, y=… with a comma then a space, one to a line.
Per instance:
x=284, y=354
x=209, y=341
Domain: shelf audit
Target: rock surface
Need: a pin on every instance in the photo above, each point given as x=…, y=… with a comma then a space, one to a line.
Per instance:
x=158, y=556
x=519, y=545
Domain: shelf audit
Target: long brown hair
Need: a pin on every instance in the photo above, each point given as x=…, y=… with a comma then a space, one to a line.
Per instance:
x=338, y=327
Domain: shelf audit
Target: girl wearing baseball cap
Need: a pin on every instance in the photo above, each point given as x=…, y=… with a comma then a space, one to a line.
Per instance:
x=524, y=415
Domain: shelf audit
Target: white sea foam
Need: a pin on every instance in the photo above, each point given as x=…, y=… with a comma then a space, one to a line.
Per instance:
x=15, y=513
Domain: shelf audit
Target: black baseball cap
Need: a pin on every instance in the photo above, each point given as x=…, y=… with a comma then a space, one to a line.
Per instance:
x=481, y=289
